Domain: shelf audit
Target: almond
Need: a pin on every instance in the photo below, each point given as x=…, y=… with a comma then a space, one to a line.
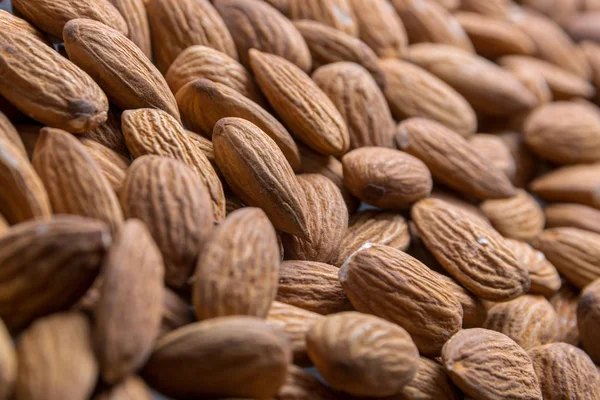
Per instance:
x=112, y=164
x=473, y=358
x=176, y=25
x=258, y=173
x=588, y=319
x=577, y=184
x=236, y=273
x=574, y=252
x=491, y=271
x=583, y=26
x=493, y=148
x=565, y=304
x=132, y=388
x=386, y=178
x=3, y=226
x=337, y=14
x=300, y=385
x=522, y=157
x=254, y=24
x=360, y=102
x=175, y=206
x=557, y=11
x=592, y=53
x=176, y=312
x=129, y=80
x=519, y=217
x=136, y=18
x=452, y=160
x=465, y=204
x=474, y=310
x=252, y=360
x=533, y=81
x=8, y=363
x=205, y=146
x=154, y=132
x=544, y=276
x=494, y=8
x=572, y=215
x=430, y=382
x=311, y=116
x=109, y=134
x=15, y=23
x=9, y=132
x=73, y=179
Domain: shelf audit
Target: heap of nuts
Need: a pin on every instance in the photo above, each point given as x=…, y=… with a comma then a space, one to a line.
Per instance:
x=202, y=199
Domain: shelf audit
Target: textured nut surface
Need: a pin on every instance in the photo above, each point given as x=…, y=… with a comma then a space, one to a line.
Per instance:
x=572, y=215
x=113, y=165
x=337, y=14
x=9, y=132
x=588, y=319
x=136, y=18
x=430, y=382
x=544, y=277
x=565, y=304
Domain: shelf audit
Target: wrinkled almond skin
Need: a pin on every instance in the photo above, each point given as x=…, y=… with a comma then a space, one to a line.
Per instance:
x=136, y=18
x=112, y=165
x=360, y=102
x=129, y=312
x=121, y=68
x=313, y=286
x=474, y=310
x=490, y=271
x=386, y=178
x=15, y=23
x=565, y=304
x=178, y=367
x=311, y=117
x=519, y=217
x=203, y=103
x=574, y=252
x=205, y=146
x=386, y=282
x=576, y=184
x=46, y=86
x=109, y=134
x=543, y=275
x=413, y=92
x=300, y=385
x=175, y=206
x=254, y=24
x=588, y=319
x=73, y=180
x=258, y=173
x=493, y=148
x=452, y=160
x=53, y=351
x=154, y=132
x=8, y=363
x=132, y=388
x=237, y=270
x=387, y=360
x=176, y=25
x=9, y=132
x=337, y=14
x=473, y=358
x=564, y=371
x=572, y=215
x=430, y=382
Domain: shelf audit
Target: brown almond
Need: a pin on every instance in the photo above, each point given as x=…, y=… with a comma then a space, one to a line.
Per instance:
x=558, y=11
x=176, y=312
x=543, y=275
x=337, y=14
x=112, y=165
x=252, y=360
x=430, y=382
x=494, y=8
x=473, y=358
x=522, y=157
x=413, y=92
x=491, y=271
x=8, y=363
x=17, y=24
x=131, y=388
x=73, y=180
x=176, y=25
x=493, y=148
x=108, y=134
x=588, y=319
x=465, y=204
x=9, y=132
x=474, y=310
x=452, y=160
x=386, y=178
x=582, y=26
x=136, y=18
x=258, y=173
x=591, y=51
x=312, y=117
x=532, y=81
x=386, y=361
x=572, y=215
x=205, y=146
x=301, y=385
x=565, y=304
x=576, y=184
x=154, y=132
x=3, y=226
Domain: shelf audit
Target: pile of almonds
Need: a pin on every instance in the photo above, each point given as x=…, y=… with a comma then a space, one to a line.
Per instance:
x=300, y=199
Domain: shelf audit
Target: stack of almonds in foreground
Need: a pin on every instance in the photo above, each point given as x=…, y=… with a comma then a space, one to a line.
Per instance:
x=300, y=199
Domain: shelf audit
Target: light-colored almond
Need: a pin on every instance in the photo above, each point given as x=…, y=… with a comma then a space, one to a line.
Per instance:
x=544, y=277
x=577, y=184
x=337, y=14
x=556, y=10
x=136, y=18
x=572, y=215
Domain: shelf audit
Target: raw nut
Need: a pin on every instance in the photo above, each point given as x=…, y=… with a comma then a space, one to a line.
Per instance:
x=377, y=227
x=564, y=132
x=572, y=215
x=136, y=18
x=564, y=371
x=122, y=70
x=465, y=204
x=327, y=220
x=203, y=103
x=197, y=62
x=176, y=25
x=558, y=11
x=492, y=148
x=385, y=362
x=574, y=252
x=154, y=132
x=519, y=217
x=113, y=166
x=474, y=310
x=237, y=270
x=132, y=388
x=490, y=89
x=22, y=193
x=312, y=286
x=51, y=16
x=15, y=23
x=108, y=134
x=473, y=358
x=128, y=314
x=380, y=27
x=302, y=106
x=46, y=86
x=494, y=37
x=544, y=277
x=491, y=271
x=451, y=160
x=390, y=284
x=295, y=322
x=360, y=102
x=300, y=385
x=565, y=304
x=524, y=160
x=592, y=52
x=532, y=81
x=386, y=178
x=583, y=26
x=493, y=8
x=249, y=360
x=255, y=24
x=55, y=350
x=428, y=21
x=8, y=363
x=430, y=382
x=575, y=184
x=258, y=173
x=205, y=145
x=328, y=45
x=413, y=92
x=588, y=319
x=73, y=180
x=175, y=206
x=9, y=132
x=337, y=14
x=176, y=313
